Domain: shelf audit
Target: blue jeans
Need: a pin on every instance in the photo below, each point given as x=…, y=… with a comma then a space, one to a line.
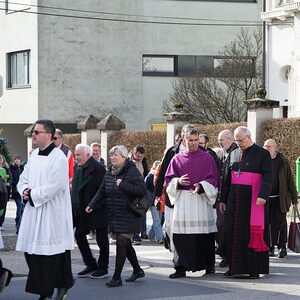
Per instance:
x=156, y=230
x=19, y=212
x=143, y=224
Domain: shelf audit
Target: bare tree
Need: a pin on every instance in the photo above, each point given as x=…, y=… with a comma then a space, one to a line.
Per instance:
x=236, y=76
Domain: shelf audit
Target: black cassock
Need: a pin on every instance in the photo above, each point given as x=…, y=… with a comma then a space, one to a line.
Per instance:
x=242, y=259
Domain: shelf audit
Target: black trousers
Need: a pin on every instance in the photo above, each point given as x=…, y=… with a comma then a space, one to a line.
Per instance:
x=47, y=272
x=103, y=244
x=278, y=224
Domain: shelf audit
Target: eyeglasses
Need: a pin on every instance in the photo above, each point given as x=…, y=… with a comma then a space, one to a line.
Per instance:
x=36, y=132
x=55, y=138
x=241, y=140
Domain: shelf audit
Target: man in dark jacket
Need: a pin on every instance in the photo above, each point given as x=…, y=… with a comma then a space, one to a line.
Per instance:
x=282, y=195
x=138, y=157
x=86, y=181
x=16, y=169
x=226, y=142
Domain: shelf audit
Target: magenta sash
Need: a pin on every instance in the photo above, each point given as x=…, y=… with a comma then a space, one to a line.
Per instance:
x=257, y=217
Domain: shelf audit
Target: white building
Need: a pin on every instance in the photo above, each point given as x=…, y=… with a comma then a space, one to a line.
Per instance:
x=65, y=59
x=282, y=19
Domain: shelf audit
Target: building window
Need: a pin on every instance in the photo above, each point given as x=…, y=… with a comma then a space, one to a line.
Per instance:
x=285, y=73
x=234, y=67
x=206, y=65
x=18, y=69
x=158, y=65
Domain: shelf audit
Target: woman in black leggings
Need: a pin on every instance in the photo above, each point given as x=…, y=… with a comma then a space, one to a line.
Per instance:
x=122, y=183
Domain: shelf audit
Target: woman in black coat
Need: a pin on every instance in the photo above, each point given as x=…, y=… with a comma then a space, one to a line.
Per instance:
x=122, y=183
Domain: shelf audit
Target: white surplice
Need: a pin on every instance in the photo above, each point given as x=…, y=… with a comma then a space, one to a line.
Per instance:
x=193, y=213
x=46, y=228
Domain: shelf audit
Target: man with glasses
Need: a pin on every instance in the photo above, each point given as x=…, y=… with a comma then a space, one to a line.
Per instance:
x=244, y=199
x=46, y=231
x=283, y=193
x=58, y=141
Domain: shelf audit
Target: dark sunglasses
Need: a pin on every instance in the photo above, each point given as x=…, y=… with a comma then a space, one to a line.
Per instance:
x=55, y=138
x=36, y=132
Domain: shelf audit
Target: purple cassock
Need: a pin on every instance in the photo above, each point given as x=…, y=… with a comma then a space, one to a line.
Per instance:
x=199, y=165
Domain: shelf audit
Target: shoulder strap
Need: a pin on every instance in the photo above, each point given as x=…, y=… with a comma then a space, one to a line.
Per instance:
x=296, y=213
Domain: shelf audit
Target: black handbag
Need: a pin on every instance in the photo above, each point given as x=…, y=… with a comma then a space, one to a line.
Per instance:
x=140, y=205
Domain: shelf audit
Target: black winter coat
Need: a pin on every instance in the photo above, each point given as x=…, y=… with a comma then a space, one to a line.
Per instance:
x=93, y=174
x=121, y=219
x=15, y=172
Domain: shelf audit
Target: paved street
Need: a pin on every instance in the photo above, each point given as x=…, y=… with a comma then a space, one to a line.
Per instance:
x=282, y=283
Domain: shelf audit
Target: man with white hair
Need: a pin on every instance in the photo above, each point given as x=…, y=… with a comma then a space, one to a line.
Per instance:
x=86, y=181
x=244, y=199
x=283, y=193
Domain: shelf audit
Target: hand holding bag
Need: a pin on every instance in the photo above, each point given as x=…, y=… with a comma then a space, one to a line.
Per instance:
x=294, y=232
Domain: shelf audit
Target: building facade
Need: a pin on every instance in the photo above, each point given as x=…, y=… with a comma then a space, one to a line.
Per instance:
x=282, y=42
x=65, y=59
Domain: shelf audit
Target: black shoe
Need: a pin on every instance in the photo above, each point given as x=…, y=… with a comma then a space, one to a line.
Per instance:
x=134, y=276
x=223, y=263
x=271, y=252
x=45, y=298
x=114, y=282
x=177, y=274
x=228, y=273
x=61, y=294
x=254, y=276
x=3, y=280
x=282, y=253
x=87, y=271
x=98, y=274
x=144, y=235
x=210, y=271
x=136, y=240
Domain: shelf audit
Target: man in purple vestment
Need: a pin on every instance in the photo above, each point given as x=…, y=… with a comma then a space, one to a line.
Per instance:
x=192, y=182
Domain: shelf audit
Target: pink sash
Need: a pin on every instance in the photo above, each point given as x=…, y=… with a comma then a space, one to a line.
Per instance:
x=257, y=218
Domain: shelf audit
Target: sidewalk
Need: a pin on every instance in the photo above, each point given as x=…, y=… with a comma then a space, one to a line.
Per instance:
x=283, y=282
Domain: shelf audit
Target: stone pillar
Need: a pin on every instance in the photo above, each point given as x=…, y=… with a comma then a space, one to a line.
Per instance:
x=259, y=110
x=108, y=127
x=27, y=133
x=175, y=120
x=89, y=131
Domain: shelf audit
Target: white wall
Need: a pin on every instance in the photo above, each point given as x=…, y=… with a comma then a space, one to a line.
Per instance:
x=18, y=32
x=280, y=41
